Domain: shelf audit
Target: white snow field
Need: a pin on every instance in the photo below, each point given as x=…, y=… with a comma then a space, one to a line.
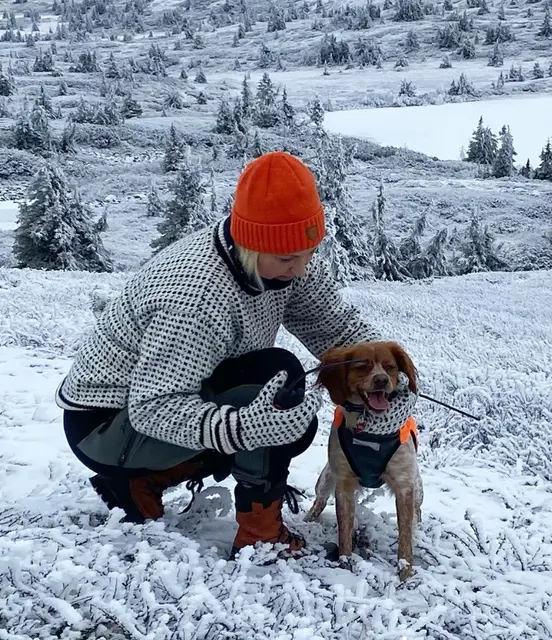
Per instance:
x=442, y=130
x=69, y=569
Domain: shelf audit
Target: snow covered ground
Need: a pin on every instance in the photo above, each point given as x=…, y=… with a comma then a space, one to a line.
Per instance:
x=422, y=128
x=69, y=569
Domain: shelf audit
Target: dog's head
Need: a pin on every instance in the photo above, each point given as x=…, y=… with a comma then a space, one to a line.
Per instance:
x=371, y=381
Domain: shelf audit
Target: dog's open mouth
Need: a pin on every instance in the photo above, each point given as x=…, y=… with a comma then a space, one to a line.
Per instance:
x=375, y=400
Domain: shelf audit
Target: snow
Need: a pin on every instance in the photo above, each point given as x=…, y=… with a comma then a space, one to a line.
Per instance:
x=69, y=568
x=9, y=211
x=421, y=128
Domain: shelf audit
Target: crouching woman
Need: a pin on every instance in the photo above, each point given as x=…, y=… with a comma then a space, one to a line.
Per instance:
x=176, y=382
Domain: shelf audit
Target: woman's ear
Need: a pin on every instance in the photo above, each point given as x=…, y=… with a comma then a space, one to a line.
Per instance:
x=335, y=377
x=405, y=364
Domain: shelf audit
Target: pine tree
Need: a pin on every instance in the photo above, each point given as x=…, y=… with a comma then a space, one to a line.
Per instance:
x=434, y=258
x=386, y=260
x=31, y=132
x=496, y=59
x=200, y=77
x=479, y=251
x=526, y=171
x=412, y=42
x=276, y=21
x=544, y=170
x=546, y=29
x=410, y=248
x=288, y=112
x=330, y=164
x=333, y=252
x=174, y=151
x=130, y=108
x=316, y=112
x=112, y=70
x=246, y=98
x=186, y=212
x=155, y=206
x=538, y=71
x=266, y=114
x=504, y=162
x=483, y=145
x=225, y=118
x=45, y=102
x=7, y=87
x=55, y=230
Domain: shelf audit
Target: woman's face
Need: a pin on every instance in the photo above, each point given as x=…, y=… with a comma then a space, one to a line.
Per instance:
x=284, y=267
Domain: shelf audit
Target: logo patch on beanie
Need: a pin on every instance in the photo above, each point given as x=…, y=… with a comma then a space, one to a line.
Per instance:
x=312, y=232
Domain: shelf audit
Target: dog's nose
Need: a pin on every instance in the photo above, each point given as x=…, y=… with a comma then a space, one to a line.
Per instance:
x=380, y=381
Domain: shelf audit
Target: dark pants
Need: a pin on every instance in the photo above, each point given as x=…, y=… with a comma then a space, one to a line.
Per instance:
x=262, y=473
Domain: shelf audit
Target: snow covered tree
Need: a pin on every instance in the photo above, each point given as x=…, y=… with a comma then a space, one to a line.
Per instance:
x=410, y=248
x=408, y=11
x=496, y=59
x=112, y=70
x=55, y=230
x=544, y=170
x=316, y=112
x=186, y=212
x=546, y=28
x=276, y=20
x=333, y=252
x=31, y=131
x=155, y=206
x=526, y=171
x=287, y=110
x=386, y=260
x=7, y=87
x=266, y=113
x=174, y=151
x=433, y=261
x=45, y=102
x=478, y=251
x=412, y=42
x=483, y=145
x=200, y=77
x=538, y=71
x=225, y=118
x=246, y=98
x=265, y=57
x=461, y=88
x=504, y=161
x=130, y=108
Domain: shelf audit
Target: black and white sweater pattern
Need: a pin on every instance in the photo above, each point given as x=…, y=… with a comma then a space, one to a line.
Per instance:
x=178, y=318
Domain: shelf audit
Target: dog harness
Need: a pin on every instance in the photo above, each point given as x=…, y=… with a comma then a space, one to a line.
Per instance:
x=368, y=454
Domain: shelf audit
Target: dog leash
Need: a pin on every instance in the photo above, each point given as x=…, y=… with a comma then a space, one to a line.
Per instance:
x=289, y=396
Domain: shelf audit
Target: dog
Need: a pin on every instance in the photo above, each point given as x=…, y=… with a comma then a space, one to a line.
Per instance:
x=367, y=449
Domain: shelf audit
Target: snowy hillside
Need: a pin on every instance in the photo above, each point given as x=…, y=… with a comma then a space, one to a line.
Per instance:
x=68, y=569
x=108, y=104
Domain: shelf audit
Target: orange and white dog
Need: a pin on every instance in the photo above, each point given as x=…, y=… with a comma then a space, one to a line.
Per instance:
x=373, y=440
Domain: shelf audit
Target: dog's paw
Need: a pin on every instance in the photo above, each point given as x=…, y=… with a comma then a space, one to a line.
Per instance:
x=347, y=563
x=406, y=570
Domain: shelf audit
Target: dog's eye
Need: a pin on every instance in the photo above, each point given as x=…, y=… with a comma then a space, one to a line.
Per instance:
x=390, y=366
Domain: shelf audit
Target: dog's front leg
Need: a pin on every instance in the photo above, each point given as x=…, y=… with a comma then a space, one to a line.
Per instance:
x=404, y=499
x=345, y=511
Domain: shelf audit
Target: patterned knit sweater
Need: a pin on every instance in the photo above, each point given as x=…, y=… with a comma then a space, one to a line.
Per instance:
x=181, y=315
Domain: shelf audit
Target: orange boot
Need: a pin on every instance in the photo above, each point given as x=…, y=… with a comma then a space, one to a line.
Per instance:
x=263, y=522
x=141, y=498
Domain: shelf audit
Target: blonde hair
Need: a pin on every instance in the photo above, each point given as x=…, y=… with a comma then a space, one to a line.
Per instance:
x=250, y=262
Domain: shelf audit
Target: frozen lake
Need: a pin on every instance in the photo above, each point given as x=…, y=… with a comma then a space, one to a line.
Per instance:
x=8, y=215
x=442, y=130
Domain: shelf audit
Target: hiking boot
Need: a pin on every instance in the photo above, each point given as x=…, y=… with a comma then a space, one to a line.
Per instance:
x=141, y=498
x=263, y=523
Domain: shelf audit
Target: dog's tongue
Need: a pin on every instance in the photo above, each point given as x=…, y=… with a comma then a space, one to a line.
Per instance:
x=378, y=401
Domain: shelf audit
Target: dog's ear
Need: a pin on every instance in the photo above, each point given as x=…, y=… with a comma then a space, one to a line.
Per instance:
x=334, y=378
x=405, y=365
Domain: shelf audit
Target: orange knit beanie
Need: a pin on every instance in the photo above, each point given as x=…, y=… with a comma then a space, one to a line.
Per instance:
x=276, y=206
